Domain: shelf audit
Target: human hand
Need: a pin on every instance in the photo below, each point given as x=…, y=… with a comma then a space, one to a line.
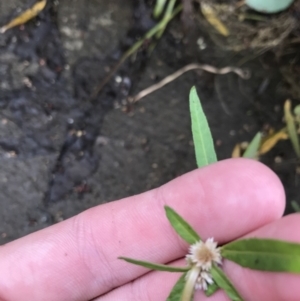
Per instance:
x=77, y=259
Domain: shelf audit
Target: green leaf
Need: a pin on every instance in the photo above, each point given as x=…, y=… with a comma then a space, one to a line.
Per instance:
x=223, y=282
x=297, y=110
x=212, y=288
x=157, y=267
x=177, y=290
x=264, y=254
x=159, y=7
x=295, y=206
x=183, y=229
x=291, y=126
x=204, y=145
x=252, y=150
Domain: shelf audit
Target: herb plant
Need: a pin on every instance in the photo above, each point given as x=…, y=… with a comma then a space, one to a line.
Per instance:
x=203, y=269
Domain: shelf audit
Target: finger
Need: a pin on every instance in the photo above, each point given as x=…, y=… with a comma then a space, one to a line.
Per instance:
x=252, y=285
x=77, y=259
x=269, y=286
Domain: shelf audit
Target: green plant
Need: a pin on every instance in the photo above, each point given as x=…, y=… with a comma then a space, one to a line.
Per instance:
x=203, y=268
x=263, y=144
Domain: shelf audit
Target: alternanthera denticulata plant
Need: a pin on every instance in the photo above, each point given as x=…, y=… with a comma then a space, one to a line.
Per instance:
x=203, y=268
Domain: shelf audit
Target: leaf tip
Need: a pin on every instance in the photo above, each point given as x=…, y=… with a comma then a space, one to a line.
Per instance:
x=167, y=208
x=193, y=90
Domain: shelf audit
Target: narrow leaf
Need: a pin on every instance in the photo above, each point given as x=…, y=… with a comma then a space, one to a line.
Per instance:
x=183, y=229
x=252, y=150
x=291, y=127
x=212, y=288
x=297, y=110
x=177, y=290
x=212, y=18
x=237, y=151
x=264, y=254
x=25, y=16
x=270, y=141
x=223, y=282
x=204, y=145
x=295, y=206
x=159, y=7
x=154, y=266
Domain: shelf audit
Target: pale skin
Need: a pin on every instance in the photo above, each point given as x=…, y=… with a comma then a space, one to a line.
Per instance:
x=76, y=260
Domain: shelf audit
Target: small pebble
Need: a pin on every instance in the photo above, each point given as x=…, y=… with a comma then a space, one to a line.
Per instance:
x=154, y=165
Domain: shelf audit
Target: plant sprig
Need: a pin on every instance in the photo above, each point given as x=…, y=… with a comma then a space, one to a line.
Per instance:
x=253, y=253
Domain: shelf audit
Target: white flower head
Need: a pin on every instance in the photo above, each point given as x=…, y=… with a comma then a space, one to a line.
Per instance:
x=196, y=279
x=204, y=278
x=203, y=254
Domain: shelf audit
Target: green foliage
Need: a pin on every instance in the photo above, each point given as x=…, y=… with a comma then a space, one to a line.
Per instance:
x=183, y=229
x=204, y=146
x=297, y=110
x=154, y=266
x=253, y=148
x=295, y=206
x=291, y=127
x=159, y=8
x=264, y=254
x=212, y=288
x=259, y=254
x=177, y=290
x=223, y=282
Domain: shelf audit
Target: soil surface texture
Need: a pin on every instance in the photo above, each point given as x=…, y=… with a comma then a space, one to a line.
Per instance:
x=62, y=152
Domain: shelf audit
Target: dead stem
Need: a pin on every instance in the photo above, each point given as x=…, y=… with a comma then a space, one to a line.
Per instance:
x=208, y=68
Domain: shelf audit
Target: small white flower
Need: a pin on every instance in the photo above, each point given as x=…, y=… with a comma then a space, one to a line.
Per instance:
x=203, y=279
x=200, y=258
x=204, y=254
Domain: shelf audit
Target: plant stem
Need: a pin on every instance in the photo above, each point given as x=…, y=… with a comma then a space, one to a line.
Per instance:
x=152, y=32
x=167, y=16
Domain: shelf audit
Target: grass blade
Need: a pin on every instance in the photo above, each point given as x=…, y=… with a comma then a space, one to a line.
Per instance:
x=291, y=127
x=183, y=229
x=154, y=266
x=295, y=206
x=253, y=148
x=204, y=146
x=177, y=290
x=264, y=254
x=212, y=288
x=159, y=7
x=223, y=282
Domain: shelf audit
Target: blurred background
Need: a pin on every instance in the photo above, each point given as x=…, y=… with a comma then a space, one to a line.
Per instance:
x=70, y=138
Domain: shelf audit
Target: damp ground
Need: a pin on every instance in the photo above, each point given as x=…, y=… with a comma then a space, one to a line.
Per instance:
x=61, y=153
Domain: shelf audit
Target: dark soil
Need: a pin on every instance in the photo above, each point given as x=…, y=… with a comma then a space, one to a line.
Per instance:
x=61, y=152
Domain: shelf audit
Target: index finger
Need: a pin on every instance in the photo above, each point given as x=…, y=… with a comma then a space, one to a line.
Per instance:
x=77, y=259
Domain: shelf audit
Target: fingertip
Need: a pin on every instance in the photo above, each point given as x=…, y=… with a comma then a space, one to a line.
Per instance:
x=237, y=194
x=265, y=184
x=256, y=182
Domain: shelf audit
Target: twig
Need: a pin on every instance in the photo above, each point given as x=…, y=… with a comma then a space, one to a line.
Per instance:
x=152, y=32
x=211, y=69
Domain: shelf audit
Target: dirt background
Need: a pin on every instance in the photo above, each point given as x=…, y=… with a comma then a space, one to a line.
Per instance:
x=61, y=153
